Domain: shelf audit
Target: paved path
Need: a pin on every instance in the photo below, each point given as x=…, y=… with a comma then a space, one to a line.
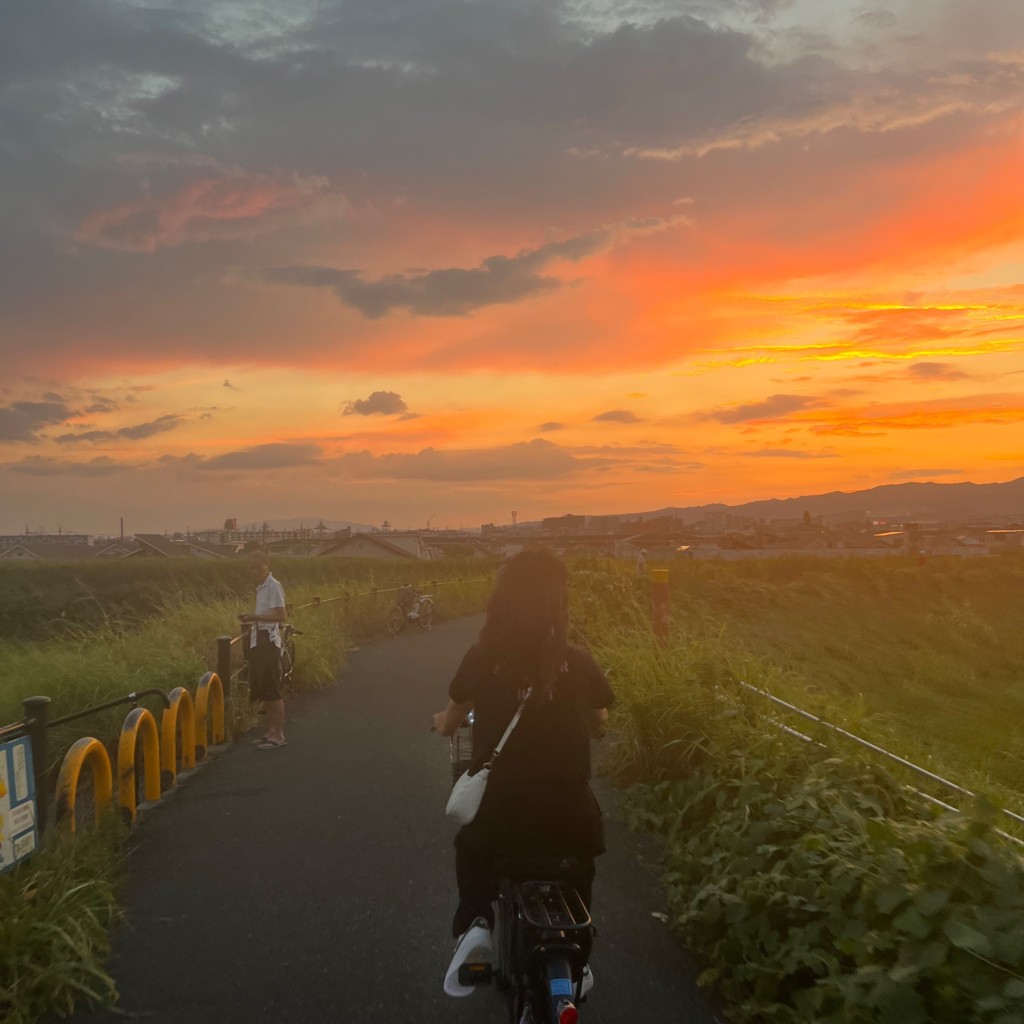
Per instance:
x=316, y=883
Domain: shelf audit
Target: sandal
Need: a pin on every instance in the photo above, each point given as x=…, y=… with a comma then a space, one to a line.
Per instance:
x=269, y=744
x=262, y=739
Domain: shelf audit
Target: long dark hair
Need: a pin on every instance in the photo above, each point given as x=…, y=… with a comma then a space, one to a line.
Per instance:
x=527, y=624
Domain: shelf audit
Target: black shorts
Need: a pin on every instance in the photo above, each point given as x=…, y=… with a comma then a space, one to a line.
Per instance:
x=265, y=669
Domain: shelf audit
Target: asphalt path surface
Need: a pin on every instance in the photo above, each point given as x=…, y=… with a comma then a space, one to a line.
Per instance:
x=316, y=882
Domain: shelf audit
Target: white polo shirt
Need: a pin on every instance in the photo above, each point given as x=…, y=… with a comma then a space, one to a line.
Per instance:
x=269, y=595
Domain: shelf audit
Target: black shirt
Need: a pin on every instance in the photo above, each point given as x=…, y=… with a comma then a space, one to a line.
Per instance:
x=551, y=742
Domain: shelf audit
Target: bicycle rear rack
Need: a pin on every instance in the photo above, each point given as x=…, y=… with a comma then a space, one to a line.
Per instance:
x=552, y=906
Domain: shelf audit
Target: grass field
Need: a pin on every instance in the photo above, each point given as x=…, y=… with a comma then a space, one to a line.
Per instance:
x=815, y=887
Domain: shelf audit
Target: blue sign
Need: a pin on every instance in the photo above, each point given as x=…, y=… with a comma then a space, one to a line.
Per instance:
x=561, y=987
x=19, y=829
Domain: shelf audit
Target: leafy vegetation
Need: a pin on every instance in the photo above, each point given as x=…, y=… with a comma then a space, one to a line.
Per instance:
x=813, y=883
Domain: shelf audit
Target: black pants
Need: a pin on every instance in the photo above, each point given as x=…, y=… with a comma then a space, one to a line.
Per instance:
x=534, y=821
x=264, y=669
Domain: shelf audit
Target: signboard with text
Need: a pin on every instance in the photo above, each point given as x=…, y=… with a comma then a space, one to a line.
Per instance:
x=19, y=830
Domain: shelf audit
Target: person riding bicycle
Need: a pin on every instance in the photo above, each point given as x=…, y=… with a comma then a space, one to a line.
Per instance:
x=538, y=801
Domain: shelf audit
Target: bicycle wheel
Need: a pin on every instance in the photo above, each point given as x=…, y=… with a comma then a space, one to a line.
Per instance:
x=396, y=620
x=287, y=660
x=426, y=613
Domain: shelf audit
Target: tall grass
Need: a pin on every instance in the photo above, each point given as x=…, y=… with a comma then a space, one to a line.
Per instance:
x=55, y=915
x=56, y=909
x=814, y=885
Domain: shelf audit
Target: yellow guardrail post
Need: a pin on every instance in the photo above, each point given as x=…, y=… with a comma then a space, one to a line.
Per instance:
x=139, y=723
x=180, y=707
x=86, y=751
x=210, y=685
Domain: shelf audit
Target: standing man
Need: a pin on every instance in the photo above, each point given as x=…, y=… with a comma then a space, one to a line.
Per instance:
x=265, y=650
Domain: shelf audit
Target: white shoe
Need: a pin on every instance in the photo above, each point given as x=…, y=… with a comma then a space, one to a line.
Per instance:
x=475, y=948
x=587, y=983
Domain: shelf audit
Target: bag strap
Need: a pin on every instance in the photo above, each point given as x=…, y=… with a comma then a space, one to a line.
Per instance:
x=508, y=731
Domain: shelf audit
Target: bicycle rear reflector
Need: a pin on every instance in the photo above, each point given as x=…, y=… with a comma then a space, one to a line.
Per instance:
x=475, y=974
x=567, y=1014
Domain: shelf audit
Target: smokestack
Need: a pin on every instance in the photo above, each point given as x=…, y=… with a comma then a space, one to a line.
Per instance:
x=122, y=527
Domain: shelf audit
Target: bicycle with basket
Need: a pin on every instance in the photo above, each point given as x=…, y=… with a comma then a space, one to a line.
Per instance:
x=411, y=605
x=544, y=931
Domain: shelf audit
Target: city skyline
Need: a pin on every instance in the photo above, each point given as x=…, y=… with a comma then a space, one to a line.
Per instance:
x=449, y=260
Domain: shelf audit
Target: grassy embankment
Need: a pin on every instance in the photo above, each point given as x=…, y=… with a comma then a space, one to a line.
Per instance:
x=815, y=887
x=84, y=634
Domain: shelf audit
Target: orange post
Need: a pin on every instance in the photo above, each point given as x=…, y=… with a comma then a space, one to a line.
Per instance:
x=661, y=613
x=209, y=699
x=87, y=751
x=180, y=713
x=140, y=724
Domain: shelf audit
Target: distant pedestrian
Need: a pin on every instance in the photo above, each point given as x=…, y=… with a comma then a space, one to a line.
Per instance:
x=641, y=562
x=265, y=650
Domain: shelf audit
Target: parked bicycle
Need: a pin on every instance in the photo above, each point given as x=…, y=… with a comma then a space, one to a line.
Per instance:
x=288, y=634
x=411, y=606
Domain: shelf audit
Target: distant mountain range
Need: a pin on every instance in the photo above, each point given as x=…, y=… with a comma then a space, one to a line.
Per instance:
x=921, y=501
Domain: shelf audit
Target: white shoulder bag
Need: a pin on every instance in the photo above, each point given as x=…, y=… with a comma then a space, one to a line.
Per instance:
x=469, y=790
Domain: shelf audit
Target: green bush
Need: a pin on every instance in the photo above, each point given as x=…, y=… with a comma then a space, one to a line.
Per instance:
x=813, y=883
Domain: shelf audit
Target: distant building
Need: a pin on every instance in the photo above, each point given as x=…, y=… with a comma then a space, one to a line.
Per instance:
x=156, y=545
x=33, y=552
x=567, y=524
x=60, y=539
x=373, y=545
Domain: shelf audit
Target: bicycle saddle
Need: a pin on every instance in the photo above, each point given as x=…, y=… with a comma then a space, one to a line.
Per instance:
x=519, y=869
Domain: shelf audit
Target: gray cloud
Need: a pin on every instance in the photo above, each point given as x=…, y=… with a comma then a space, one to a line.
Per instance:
x=789, y=453
x=878, y=19
x=135, y=433
x=449, y=292
x=915, y=474
x=180, y=133
x=771, y=408
x=551, y=425
x=20, y=421
x=935, y=371
x=261, y=456
x=527, y=460
x=100, y=404
x=379, y=403
x=38, y=465
x=617, y=416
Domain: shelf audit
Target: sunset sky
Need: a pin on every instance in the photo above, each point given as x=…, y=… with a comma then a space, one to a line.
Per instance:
x=442, y=259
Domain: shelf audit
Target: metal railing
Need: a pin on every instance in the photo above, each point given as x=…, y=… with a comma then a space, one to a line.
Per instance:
x=36, y=725
x=882, y=752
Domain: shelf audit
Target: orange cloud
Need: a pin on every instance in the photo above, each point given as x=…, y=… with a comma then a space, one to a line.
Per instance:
x=210, y=209
x=988, y=410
